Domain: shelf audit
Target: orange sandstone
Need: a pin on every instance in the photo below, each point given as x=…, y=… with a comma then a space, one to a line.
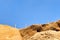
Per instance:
x=9, y=33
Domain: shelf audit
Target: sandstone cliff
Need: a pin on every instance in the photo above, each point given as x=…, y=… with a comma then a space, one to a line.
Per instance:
x=31, y=31
x=49, y=31
x=46, y=35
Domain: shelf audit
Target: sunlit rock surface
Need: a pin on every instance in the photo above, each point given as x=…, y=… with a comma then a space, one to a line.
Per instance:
x=49, y=31
x=46, y=35
x=33, y=32
x=9, y=33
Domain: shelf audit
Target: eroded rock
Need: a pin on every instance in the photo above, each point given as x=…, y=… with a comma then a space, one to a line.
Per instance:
x=9, y=33
x=33, y=29
x=46, y=35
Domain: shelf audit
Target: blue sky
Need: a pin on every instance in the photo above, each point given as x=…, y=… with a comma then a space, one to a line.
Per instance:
x=27, y=12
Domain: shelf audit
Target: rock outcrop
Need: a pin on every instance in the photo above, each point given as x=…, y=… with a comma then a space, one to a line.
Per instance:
x=30, y=31
x=9, y=33
x=49, y=31
x=46, y=35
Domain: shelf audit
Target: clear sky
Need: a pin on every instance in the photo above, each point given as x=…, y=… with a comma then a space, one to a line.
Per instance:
x=27, y=12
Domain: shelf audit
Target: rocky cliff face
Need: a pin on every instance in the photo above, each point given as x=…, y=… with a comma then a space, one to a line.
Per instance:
x=46, y=35
x=33, y=32
x=49, y=31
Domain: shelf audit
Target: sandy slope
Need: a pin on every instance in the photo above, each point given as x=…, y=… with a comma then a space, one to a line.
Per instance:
x=9, y=33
